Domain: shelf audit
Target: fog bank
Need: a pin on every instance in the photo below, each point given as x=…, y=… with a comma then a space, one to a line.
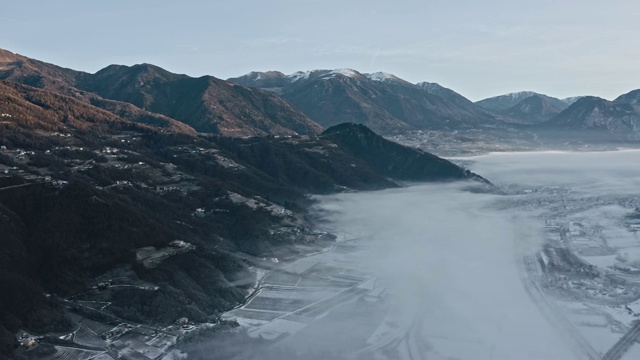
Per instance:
x=454, y=263
x=449, y=264
x=608, y=172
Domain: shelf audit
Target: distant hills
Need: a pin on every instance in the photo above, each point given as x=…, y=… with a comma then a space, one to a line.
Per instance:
x=504, y=102
x=527, y=107
x=594, y=113
x=534, y=109
x=382, y=101
x=389, y=104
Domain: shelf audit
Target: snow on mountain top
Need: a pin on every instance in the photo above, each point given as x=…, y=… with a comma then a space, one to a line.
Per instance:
x=571, y=100
x=258, y=75
x=325, y=74
x=430, y=86
x=381, y=76
x=344, y=72
x=299, y=75
x=520, y=94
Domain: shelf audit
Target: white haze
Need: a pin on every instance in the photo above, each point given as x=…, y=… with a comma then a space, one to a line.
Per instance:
x=451, y=260
x=589, y=172
x=454, y=262
x=455, y=259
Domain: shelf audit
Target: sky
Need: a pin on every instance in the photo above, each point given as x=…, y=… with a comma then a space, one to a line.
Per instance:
x=477, y=48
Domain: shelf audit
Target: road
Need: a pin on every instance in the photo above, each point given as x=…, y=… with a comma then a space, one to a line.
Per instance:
x=531, y=276
x=624, y=344
x=19, y=186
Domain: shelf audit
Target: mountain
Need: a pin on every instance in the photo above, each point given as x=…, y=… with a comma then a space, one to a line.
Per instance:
x=206, y=103
x=571, y=100
x=533, y=110
x=36, y=73
x=36, y=118
x=504, y=102
x=631, y=98
x=594, y=113
x=443, y=92
x=153, y=95
x=382, y=101
x=392, y=159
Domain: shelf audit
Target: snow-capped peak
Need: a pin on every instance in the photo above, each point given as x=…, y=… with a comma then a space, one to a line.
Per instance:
x=344, y=72
x=255, y=75
x=571, y=100
x=323, y=74
x=520, y=94
x=299, y=75
x=430, y=86
x=381, y=76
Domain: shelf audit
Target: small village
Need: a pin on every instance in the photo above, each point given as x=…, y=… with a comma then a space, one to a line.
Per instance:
x=100, y=336
x=588, y=269
x=94, y=340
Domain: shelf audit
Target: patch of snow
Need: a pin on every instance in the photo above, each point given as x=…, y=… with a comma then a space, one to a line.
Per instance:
x=344, y=72
x=299, y=75
x=381, y=76
x=544, y=257
x=603, y=261
x=276, y=328
x=619, y=313
x=520, y=94
x=430, y=86
x=571, y=100
x=633, y=353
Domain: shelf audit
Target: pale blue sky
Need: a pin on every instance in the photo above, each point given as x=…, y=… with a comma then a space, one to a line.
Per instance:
x=478, y=48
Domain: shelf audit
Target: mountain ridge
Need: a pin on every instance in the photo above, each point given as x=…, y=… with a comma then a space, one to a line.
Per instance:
x=594, y=113
x=380, y=100
x=211, y=104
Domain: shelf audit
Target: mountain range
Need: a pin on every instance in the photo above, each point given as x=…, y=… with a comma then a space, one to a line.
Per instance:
x=272, y=103
x=594, y=113
x=154, y=95
x=391, y=105
x=382, y=101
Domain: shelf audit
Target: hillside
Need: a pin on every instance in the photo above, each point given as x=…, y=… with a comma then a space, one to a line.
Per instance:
x=533, y=110
x=593, y=113
x=149, y=94
x=631, y=98
x=504, y=102
x=206, y=103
